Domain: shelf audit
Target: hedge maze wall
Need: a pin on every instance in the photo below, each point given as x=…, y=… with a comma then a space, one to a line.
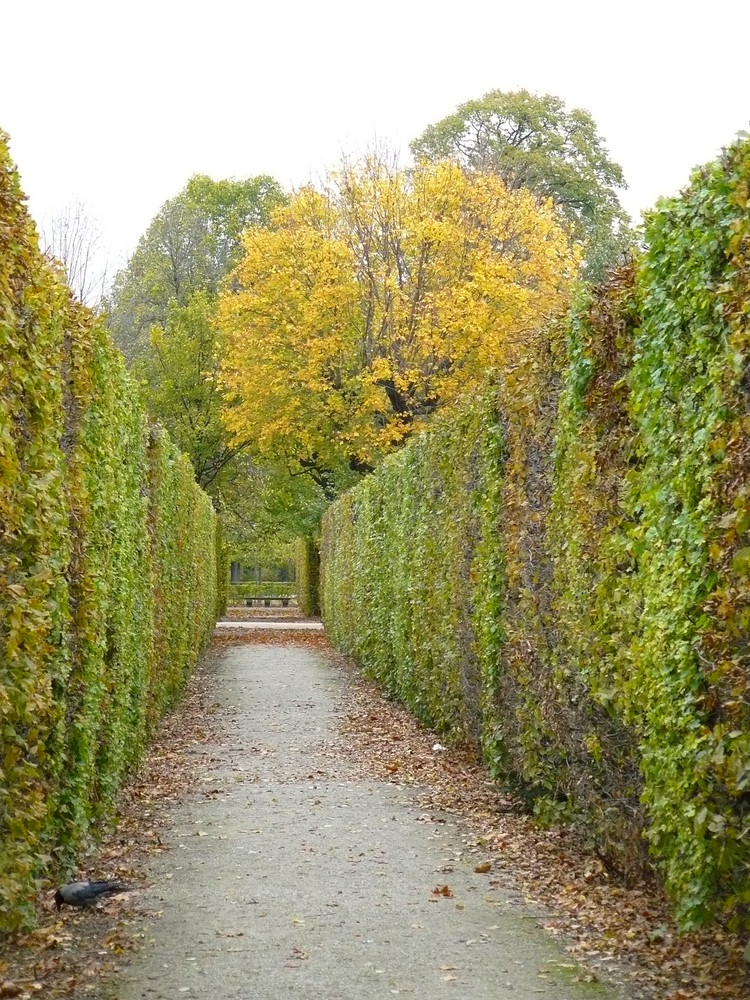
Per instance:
x=308, y=575
x=108, y=556
x=561, y=571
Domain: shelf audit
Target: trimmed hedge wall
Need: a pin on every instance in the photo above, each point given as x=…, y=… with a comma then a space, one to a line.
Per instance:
x=108, y=555
x=561, y=571
x=308, y=576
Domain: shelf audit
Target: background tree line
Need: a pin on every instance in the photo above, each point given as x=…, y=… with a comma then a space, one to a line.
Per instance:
x=289, y=342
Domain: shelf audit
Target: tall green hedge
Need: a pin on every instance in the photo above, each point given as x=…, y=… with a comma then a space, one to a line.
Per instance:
x=561, y=571
x=399, y=561
x=308, y=575
x=108, y=554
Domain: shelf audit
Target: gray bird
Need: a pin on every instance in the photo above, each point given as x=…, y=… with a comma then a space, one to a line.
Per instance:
x=86, y=893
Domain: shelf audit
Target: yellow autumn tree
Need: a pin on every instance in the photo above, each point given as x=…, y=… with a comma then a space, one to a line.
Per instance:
x=368, y=304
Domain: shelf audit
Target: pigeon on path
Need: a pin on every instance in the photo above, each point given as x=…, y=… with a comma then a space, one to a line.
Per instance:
x=86, y=893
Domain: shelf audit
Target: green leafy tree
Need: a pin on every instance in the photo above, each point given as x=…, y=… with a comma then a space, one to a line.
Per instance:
x=161, y=315
x=178, y=370
x=267, y=506
x=536, y=142
x=192, y=242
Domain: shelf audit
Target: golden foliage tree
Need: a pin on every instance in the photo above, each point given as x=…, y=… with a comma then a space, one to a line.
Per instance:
x=370, y=303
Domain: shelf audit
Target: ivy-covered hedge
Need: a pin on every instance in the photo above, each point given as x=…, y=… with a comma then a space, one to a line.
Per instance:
x=399, y=558
x=561, y=571
x=223, y=563
x=108, y=555
x=308, y=576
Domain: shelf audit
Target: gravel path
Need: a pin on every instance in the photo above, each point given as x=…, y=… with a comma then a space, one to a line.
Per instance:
x=291, y=875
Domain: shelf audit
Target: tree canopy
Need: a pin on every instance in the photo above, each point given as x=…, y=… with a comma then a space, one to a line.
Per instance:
x=162, y=315
x=189, y=246
x=536, y=142
x=178, y=369
x=369, y=303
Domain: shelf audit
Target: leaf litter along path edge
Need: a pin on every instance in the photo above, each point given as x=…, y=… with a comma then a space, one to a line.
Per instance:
x=274, y=626
x=74, y=954
x=295, y=873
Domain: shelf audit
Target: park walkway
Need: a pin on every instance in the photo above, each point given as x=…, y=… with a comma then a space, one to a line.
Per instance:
x=291, y=875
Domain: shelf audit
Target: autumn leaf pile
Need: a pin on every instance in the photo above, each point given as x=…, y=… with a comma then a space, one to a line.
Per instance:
x=558, y=571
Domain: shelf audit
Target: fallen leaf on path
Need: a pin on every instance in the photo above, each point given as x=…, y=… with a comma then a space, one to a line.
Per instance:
x=442, y=890
x=604, y=921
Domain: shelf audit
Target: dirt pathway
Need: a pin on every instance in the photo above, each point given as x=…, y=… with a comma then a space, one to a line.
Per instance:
x=290, y=875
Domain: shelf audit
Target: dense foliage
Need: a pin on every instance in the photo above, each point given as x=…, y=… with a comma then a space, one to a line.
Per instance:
x=189, y=246
x=177, y=371
x=161, y=314
x=561, y=571
x=308, y=575
x=535, y=142
x=369, y=304
x=108, y=556
x=399, y=566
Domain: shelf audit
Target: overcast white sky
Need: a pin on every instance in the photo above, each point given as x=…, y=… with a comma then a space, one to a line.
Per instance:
x=117, y=103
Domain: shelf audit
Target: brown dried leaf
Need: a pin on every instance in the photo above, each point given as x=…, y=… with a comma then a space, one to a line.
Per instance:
x=442, y=890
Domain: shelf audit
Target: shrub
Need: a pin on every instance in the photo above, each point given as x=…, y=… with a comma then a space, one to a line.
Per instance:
x=308, y=573
x=108, y=554
x=560, y=571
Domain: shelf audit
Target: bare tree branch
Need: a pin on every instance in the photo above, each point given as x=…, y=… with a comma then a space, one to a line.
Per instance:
x=74, y=239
